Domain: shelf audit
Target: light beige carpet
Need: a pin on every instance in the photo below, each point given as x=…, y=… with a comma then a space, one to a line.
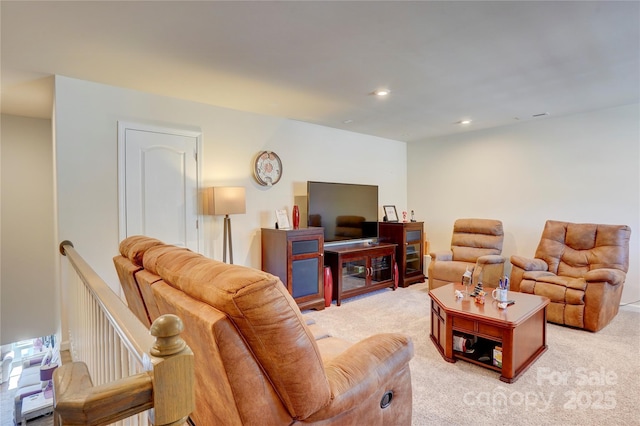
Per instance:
x=584, y=378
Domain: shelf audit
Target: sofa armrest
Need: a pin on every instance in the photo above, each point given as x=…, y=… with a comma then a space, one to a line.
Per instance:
x=441, y=255
x=32, y=360
x=608, y=275
x=490, y=259
x=363, y=369
x=529, y=264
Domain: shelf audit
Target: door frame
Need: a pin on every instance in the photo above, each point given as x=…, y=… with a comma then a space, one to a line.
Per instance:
x=123, y=126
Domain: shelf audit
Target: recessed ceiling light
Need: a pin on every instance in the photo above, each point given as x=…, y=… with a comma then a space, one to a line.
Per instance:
x=382, y=92
x=348, y=121
x=464, y=122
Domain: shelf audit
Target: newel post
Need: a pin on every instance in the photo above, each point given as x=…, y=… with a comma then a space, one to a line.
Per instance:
x=173, y=373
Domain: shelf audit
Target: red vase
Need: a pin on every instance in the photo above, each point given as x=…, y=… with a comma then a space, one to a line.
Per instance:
x=328, y=286
x=296, y=217
x=395, y=275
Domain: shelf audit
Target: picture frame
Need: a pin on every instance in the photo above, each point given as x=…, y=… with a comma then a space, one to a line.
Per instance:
x=391, y=213
x=282, y=219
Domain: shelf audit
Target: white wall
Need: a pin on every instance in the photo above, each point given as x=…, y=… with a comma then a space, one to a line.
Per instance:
x=583, y=168
x=579, y=168
x=86, y=148
x=28, y=290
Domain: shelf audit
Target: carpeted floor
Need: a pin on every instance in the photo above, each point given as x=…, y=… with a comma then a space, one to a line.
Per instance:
x=584, y=378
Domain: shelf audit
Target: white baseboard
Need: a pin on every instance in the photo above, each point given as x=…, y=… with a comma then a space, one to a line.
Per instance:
x=631, y=307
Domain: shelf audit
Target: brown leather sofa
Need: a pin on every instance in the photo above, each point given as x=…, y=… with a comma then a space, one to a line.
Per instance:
x=476, y=244
x=257, y=361
x=581, y=268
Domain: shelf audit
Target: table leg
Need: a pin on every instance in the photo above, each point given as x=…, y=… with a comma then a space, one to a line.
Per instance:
x=507, y=372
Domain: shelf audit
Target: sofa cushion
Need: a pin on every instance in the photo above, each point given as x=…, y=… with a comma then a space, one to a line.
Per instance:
x=134, y=247
x=452, y=271
x=29, y=376
x=573, y=249
x=151, y=257
x=567, y=296
x=473, y=238
x=267, y=317
x=215, y=343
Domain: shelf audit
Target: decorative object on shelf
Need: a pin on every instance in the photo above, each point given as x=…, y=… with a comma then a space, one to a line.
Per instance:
x=390, y=214
x=497, y=356
x=404, y=216
x=479, y=293
x=479, y=288
x=464, y=344
x=296, y=217
x=505, y=305
x=413, y=216
x=225, y=200
x=328, y=286
x=396, y=275
x=500, y=294
x=466, y=281
x=282, y=219
x=267, y=168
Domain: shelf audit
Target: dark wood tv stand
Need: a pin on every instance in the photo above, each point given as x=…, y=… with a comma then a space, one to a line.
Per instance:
x=359, y=268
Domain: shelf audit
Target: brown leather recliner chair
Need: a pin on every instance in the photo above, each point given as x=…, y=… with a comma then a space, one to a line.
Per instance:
x=581, y=267
x=256, y=359
x=476, y=245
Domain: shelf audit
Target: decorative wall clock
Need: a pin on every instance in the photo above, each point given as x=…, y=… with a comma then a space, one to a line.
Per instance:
x=267, y=168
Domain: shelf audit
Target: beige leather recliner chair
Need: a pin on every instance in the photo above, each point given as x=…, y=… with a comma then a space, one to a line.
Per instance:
x=581, y=267
x=476, y=244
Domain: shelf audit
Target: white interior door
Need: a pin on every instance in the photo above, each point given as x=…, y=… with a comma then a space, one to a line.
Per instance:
x=158, y=186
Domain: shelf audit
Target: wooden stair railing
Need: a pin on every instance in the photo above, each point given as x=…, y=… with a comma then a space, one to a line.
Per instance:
x=109, y=344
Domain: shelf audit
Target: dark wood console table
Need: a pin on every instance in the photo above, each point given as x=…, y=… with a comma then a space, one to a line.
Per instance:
x=409, y=238
x=296, y=257
x=360, y=268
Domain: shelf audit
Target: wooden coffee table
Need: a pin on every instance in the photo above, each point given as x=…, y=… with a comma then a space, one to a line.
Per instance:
x=520, y=330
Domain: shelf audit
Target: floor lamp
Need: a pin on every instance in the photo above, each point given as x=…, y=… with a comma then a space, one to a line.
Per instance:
x=225, y=200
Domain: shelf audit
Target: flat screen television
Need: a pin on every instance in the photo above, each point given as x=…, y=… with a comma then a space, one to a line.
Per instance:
x=348, y=212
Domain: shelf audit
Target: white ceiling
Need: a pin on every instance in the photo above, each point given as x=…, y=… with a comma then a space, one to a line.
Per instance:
x=318, y=62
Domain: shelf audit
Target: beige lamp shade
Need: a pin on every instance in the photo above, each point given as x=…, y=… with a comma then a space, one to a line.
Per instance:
x=224, y=200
